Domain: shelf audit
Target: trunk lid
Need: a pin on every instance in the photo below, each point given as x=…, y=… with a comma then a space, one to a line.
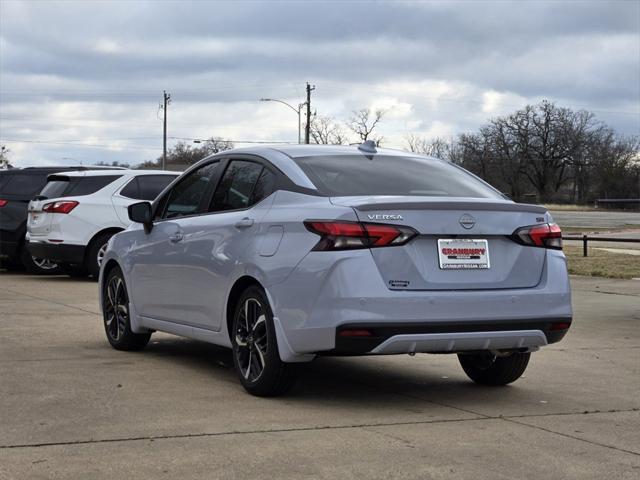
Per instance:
x=482, y=225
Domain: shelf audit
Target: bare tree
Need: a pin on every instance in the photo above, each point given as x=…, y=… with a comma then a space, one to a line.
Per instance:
x=325, y=130
x=4, y=158
x=363, y=122
x=115, y=163
x=184, y=153
x=436, y=147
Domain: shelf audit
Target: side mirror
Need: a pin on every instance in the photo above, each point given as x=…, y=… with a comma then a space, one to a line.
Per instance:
x=141, y=213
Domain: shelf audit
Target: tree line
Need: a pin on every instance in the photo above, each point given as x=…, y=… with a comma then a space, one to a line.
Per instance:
x=546, y=153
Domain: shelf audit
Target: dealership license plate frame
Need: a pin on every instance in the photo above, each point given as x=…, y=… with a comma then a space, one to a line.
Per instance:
x=463, y=261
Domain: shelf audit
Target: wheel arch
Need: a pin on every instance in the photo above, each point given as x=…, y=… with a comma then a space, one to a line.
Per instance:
x=240, y=285
x=104, y=231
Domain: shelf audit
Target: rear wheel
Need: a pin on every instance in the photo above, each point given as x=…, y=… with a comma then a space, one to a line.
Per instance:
x=95, y=254
x=255, y=348
x=39, y=266
x=115, y=313
x=489, y=369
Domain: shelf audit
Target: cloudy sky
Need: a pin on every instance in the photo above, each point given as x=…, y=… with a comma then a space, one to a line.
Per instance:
x=81, y=81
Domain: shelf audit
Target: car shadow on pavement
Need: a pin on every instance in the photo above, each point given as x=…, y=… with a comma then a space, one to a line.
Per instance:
x=336, y=382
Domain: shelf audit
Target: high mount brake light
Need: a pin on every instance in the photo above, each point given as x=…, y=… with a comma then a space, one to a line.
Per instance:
x=60, y=207
x=546, y=235
x=3, y=202
x=341, y=235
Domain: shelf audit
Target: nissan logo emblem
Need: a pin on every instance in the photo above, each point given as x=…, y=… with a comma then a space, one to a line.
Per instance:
x=467, y=221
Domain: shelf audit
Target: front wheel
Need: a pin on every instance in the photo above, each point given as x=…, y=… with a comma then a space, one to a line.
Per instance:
x=255, y=348
x=115, y=313
x=488, y=369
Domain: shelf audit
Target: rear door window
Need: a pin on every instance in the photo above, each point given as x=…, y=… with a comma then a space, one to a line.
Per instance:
x=146, y=187
x=151, y=185
x=235, y=190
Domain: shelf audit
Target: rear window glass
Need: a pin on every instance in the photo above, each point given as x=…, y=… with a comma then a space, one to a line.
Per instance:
x=357, y=175
x=60, y=186
x=22, y=184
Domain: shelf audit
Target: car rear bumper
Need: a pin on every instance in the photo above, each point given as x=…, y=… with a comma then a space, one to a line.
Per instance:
x=59, y=253
x=447, y=337
x=318, y=301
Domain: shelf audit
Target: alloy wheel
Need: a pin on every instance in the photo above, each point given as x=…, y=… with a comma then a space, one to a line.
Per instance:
x=251, y=339
x=44, y=264
x=116, y=308
x=101, y=253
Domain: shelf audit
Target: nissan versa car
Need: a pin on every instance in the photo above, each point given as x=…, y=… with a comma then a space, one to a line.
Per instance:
x=287, y=253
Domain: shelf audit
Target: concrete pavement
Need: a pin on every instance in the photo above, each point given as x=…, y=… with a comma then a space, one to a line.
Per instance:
x=72, y=407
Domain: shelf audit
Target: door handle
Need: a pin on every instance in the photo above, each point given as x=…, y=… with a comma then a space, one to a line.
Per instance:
x=176, y=237
x=246, y=222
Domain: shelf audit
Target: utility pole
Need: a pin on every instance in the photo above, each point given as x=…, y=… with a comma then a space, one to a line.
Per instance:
x=167, y=101
x=308, y=127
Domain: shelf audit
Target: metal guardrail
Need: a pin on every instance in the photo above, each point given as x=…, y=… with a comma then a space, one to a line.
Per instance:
x=631, y=202
x=585, y=239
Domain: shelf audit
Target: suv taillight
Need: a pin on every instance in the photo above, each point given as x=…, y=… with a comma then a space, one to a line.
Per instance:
x=341, y=235
x=547, y=235
x=64, y=206
x=3, y=202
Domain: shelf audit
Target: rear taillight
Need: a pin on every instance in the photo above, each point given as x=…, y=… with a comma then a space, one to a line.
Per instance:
x=3, y=202
x=336, y=235
x=547, y=235
x=64, y=206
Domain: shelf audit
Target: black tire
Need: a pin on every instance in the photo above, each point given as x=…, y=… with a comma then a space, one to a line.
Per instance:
x=115, y=315
x=488, y=369
x=92, y=260
x=38, y=266
x=74, y=271
x=260, y=345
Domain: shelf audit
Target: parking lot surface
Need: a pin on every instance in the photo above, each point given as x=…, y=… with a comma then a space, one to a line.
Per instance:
x=72, y=407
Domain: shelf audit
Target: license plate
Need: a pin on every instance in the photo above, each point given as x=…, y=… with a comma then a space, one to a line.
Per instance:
x=463, y=254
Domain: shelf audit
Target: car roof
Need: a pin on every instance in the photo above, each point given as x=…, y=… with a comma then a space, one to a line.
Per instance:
x=52, y=169
x=311, y=150
x=129, y=173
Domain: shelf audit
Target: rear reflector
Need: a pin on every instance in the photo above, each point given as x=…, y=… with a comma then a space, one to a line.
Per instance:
x=3, y=202
x=546, y=235
x=355, y=333
x=560, y=326
x=60, y=207
x=342, y=235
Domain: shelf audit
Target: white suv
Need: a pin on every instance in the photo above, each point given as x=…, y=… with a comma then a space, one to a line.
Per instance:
x=76, y=214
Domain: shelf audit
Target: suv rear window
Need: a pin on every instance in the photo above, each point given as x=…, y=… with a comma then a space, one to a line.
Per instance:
x=61, y=186
x=357, y=175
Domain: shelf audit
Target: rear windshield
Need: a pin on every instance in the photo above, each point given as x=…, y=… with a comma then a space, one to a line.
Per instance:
x=357, y=175
x=60, y=186
x=22, y=184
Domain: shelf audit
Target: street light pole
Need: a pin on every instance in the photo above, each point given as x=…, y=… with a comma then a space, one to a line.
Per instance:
x=297, y=110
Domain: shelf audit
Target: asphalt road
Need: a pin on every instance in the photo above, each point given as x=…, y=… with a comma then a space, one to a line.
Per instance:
x=72, y=407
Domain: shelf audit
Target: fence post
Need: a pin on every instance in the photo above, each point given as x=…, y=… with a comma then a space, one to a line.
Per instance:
x=584, y=245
